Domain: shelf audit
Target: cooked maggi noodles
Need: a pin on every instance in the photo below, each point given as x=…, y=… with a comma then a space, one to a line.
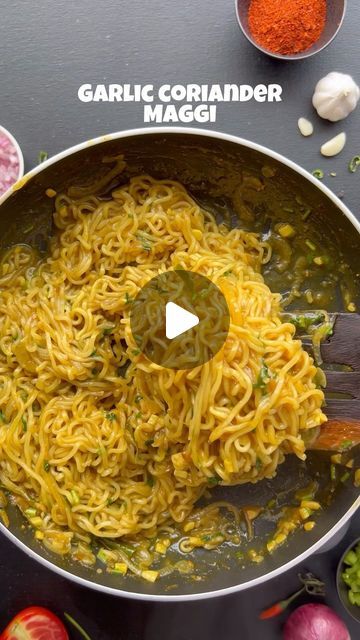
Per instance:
x=97, y=440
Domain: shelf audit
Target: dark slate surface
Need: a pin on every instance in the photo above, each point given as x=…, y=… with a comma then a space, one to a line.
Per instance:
x=48, y=49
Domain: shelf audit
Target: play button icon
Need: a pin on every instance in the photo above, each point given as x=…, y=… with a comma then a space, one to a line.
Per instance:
x=179, y=319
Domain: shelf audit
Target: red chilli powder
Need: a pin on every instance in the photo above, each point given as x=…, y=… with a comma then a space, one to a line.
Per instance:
x=287, y=26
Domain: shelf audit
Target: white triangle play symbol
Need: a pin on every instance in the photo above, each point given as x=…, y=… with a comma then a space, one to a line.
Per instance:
x=178, y=320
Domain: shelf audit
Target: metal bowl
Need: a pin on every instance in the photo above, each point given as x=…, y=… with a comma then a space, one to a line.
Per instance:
x=342, y=588
x=335, y=15
x=207, y=163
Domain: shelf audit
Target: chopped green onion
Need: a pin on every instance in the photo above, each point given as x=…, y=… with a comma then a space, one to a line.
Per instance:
x=354, y=164
x=46, y=466
x=108, y=330
x=333, y=472
x=310, y=244
x=43, y=155
x=150, y=480
x=346, y=444
x=128, y=299
x=30, y=512
x=214, y=480
x=345, y=477
x=2, y=417
x=24, y=423
x=111, y=416
x=318, y=173
x=74, y=499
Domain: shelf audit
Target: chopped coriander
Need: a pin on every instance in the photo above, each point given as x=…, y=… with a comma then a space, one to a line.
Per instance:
x=214, y=480
x=24, y=424
x=110, y=416
x=46, y=466
x=263, y=378
x=206, y=538
x=93, y=354
x=138, y=415
x=345, y=477
x=354, y=164
x=318, y=173
x=136, y=352
x=43, y=155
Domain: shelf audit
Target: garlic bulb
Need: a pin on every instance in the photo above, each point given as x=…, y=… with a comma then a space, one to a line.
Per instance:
x=336, y=96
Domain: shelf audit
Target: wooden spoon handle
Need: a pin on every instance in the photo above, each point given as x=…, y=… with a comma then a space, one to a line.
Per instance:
x=336, y=435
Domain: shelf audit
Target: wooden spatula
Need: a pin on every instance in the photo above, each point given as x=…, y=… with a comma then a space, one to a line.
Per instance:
x=342, y=431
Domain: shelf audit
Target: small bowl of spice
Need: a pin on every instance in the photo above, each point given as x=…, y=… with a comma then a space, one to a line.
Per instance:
x=290, y=29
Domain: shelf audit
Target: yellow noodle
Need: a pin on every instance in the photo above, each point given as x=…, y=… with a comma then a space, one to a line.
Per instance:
x=113, y=456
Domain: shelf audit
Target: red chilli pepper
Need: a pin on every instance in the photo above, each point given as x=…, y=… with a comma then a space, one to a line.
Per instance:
x=311, y=585
x=279, y=607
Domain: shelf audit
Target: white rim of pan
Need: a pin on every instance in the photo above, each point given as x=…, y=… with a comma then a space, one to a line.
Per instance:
x=84, y=582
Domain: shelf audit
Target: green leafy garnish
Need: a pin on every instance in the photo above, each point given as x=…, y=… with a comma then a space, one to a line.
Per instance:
x=43, y=155
x=306, y=321
x=24, y=423
x=136, y=352
x=128, y=299
x=46, y=466
x=93, y=354
x=150, y=480
x=239, y=555
x=263, y=378
x=354, y=164
x=214, y=480
x=318, y=173
x=111, y=416
x=2, y=417
x=333, y=472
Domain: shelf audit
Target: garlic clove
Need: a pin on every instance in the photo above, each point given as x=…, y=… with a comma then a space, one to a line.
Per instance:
x=334, y=146
x=305, y=127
